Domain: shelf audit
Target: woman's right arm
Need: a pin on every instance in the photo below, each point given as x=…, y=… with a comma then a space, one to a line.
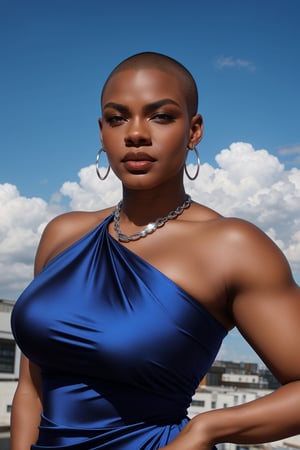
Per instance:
x=26, y=407
x=27, y=403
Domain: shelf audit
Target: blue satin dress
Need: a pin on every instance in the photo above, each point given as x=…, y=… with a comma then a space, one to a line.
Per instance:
x=121, y=347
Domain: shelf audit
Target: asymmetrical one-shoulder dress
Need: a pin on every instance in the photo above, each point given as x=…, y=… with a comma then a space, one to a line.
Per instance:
x=121, y=347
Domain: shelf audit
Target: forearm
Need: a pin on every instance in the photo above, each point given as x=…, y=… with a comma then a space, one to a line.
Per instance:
x=267, y=419
x=25, y=419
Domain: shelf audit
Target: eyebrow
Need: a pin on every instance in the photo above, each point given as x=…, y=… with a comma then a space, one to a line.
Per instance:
x=117, y=106
x=150, y=107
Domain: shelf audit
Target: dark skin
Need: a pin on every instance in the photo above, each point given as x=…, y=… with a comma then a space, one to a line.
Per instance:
x=226, y=264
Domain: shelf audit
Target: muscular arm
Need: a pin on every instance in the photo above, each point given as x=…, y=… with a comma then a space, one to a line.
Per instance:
x=26, y=408
x=266, y=309
x=276, y=339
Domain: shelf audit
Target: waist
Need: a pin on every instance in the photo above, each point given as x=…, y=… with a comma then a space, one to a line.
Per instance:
x=102, y=404
x=135, y=436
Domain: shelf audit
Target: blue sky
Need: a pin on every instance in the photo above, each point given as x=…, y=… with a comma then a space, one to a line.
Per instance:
x=55, y=56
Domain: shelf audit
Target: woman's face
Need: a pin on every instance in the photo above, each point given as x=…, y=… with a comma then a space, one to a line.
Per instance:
x=146, y=128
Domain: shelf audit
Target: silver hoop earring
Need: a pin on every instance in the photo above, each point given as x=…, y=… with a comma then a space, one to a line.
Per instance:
x=97, y=166
x=197, y=168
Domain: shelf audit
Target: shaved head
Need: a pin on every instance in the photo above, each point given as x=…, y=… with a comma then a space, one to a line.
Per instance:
x=151, y=60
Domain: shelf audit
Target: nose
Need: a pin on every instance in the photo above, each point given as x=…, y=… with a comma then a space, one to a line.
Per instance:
x=137, y=133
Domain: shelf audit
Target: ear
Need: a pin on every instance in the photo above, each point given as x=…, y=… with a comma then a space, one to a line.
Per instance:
x=196, y=130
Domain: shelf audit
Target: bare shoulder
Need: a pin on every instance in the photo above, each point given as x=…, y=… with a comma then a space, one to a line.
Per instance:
x=63, y=231
x=241, y=250
x=252, y=255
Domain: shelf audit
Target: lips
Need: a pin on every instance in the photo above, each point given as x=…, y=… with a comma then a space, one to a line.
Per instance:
x=139, y=162
x=139, y=156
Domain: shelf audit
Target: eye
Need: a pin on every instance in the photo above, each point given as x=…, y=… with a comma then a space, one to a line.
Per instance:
x=163, y=118
x=114, y=120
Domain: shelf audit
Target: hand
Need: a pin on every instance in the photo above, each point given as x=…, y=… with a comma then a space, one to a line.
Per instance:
x=189, y=439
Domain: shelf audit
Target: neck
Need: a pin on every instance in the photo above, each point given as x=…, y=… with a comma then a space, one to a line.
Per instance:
x=141, y=207
x=151, y=226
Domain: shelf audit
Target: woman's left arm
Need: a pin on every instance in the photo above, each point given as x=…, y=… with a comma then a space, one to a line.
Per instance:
x=267, y=419
x=266, y=310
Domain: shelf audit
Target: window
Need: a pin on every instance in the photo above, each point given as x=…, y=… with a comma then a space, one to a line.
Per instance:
x=8, y=408
x=198, y=403
x=213, y=404
x=7, y=355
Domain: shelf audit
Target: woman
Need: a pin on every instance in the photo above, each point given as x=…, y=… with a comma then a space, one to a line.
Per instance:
x=130, y=304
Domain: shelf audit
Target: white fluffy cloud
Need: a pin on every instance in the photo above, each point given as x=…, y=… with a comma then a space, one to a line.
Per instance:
x=21, y=223
x=90, y=193
x=247, y=183
x=254, y=185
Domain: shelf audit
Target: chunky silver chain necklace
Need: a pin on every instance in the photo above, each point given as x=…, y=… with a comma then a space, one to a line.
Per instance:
x=152, y=226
